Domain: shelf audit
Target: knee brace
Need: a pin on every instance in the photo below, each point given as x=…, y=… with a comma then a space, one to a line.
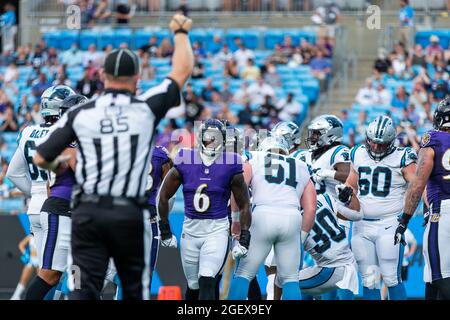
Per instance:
x=207, y=288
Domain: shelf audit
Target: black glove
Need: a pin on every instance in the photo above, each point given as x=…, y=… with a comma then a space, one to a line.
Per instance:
x=165, y=232
x=244, y=239
x=345, y=196
x=402, y=226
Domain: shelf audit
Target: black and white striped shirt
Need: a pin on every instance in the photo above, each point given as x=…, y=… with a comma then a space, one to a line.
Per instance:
x=114, y=134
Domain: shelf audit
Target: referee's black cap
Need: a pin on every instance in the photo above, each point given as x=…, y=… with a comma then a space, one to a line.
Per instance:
x=121, y=62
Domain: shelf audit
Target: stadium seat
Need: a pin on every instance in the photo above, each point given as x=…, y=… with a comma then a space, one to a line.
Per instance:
x=272, y=37
x=52, y=38
x=67, y=38
x=88, y=37
x=248, y=36
x=141, y=38
x=122, y=35
x=106, y=37
x=423, y=37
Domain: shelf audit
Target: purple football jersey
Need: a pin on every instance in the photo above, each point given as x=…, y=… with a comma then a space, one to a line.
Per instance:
x=160, y=156
x=438, y=186
x=62, y=188
x=207, y=189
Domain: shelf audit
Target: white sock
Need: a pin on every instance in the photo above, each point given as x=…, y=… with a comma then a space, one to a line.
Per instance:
x=18, y=292
x=269, y=287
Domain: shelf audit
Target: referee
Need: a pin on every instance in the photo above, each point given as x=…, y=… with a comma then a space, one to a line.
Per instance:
x=114, y=134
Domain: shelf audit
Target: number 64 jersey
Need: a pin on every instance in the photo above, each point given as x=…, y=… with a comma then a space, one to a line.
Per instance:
x=28, y=140
x=381, y=183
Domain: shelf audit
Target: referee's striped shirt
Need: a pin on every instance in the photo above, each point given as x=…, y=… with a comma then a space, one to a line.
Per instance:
x=114, y=134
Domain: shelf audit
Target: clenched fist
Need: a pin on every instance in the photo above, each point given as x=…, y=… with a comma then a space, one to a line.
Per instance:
x=180, y=23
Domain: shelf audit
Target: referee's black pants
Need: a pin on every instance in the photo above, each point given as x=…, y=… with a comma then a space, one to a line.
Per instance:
x=103, y=231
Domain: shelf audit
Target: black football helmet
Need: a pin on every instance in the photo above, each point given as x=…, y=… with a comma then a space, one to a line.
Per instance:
x=441, y=117
x=71, y=101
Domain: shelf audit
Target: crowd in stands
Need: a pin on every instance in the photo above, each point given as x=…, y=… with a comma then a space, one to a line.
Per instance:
x=406, y=84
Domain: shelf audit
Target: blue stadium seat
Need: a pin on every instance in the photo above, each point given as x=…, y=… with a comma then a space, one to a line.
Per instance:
x=311, y=89
x=423, y=37
x=106, y=37
x=272, y=37
x=67, y=38
x=158, y=62
x=141, y=37
x=52, y=39
x=88, y=37
x=161, y=34
x=248, y=36
x=122, y=35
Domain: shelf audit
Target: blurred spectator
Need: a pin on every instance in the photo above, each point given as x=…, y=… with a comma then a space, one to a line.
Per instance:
x=288, y=109
x=258, y=90
x=151, y=47
x=279, y=57
x=438, y=87
x=250, y=71
x=306, y=51
x=11, y=73
x=296, y=59
x=123, y=14
x=199, y=69
x=193, y=107
x=52, y=57
x=102, y=12
x=73, y=56
x=320, y=66
x=418, y=56
x=366, y=96
x=349, y=129
x=399, y=66
x=323, y=45
x=223, y=56
x=9, y=123
x=38, y=57
x=215, y=104
x=241, y=95
x=266, y=110
x=147, y=70
x=165, y=50
x=198, y=49
x=242, y=54
x=8, y=23
x=401, y=99
x=246, y=115
x=21, y=58
x=24, y=105
x=92, y=55
x=327, y=14
x=216, y=45
x=418, y=96
x=164, y=138
x=287, y=47
x=226, y=114
x=231, y=69
x=270, y=75
x=226, y=93
x=363, y=122
x=406, y=22
x=39, y=86
x=87, y=11
x=62, y=79
x=382, y=63
x=183, y=8
x=208, y=90
x=434, y=48
x=383, y=96
x=36, y=113
x=6, y=59
x=86, y=86
x=27, y=121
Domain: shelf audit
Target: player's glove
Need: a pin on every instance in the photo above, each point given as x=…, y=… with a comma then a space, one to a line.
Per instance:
x=402, y=226
x=240, y=249
x=344, y=193
x=168, y=240
x=324, y=174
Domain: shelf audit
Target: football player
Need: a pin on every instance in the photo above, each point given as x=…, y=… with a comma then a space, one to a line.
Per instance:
x=25, y=175
x=380, y=173
x=55, y=218
x=279, y=184
x=209, y=176
x=433, y=172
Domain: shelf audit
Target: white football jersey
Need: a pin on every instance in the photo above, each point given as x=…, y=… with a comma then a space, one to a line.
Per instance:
x=328, y=160
x=28, y=140
x=327, y=242
x=277, y=180
x=381, y=185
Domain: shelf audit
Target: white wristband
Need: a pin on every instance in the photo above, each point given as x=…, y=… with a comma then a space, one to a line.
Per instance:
x=235, y=216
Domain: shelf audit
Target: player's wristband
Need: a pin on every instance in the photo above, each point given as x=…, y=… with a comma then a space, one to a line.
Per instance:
x=404, y=219
x=244, y=239
x=235, y=216
x=164, y=228
x=181, y=30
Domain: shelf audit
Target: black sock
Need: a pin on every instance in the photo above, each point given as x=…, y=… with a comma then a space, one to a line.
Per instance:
x=254, y=291
x=218, y=279
x=207, y=288
x=38, y=289
x=191, y=294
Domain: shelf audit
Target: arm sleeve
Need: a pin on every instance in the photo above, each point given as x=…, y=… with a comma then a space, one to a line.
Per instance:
x=162, y=97
x=62, y=136
x=18, y=173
